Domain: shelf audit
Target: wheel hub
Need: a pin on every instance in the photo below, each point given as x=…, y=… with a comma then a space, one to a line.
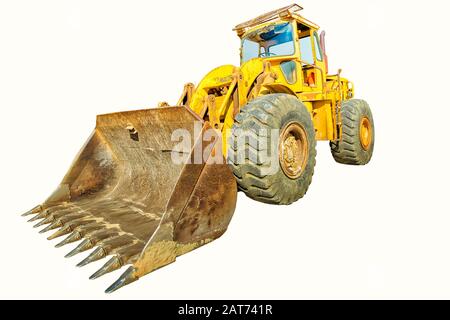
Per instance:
x=365, y=133
x=293, y=150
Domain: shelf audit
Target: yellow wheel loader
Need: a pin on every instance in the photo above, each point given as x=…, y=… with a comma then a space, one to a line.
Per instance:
x=151, y=185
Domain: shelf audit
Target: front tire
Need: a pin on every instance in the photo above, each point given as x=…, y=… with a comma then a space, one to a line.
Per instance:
x=358, y=134
x=293, y=152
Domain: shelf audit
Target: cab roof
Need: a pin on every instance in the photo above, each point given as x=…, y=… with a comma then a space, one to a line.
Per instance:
x=288, y=13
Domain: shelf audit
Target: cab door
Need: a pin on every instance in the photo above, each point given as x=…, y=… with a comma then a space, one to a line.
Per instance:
x=314, y=78
x=312, y=61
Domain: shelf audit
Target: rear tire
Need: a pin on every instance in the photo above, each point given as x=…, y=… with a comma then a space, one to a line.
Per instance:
x=293, y=149
x=358, y=134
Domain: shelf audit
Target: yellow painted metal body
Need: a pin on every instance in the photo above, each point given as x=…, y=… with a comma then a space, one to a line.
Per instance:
x=224, y=91
x=127, y=197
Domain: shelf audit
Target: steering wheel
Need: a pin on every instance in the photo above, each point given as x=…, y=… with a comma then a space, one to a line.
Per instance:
x=266, y=54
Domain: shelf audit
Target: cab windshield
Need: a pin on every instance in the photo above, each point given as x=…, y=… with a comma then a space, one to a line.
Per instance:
x=270, y=41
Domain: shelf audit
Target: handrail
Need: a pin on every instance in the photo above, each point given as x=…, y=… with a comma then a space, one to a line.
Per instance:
x=285, y=11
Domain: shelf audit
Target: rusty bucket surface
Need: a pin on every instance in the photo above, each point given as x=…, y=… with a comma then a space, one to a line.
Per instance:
x=124, y=197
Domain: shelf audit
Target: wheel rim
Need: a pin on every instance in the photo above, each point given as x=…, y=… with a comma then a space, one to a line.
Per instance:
x=293, y=150
x=365, y=133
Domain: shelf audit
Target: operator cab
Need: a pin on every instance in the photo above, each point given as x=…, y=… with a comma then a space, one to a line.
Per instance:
x=291, y=42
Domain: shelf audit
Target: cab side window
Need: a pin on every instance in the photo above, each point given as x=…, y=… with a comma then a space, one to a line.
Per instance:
x=306, y=50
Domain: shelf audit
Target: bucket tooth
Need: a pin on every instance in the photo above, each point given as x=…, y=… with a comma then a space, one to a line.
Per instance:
x=122, y=257
x=47, y=220
x=83, y=230
x=126, y=278
x=96, y=255
x=61, y=232
x=83, y=246
x=106, y=247
x=73, y=237
x=68, y=228
x=113, y=264
x=49, y=215
x=54, y=225
x=40, y=215
x=28, y=213
x=35, y=210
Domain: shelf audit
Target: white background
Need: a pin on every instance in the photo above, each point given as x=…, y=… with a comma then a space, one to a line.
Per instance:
x=380, y=231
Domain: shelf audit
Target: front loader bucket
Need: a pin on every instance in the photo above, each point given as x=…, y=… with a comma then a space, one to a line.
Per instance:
x=125, y=197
